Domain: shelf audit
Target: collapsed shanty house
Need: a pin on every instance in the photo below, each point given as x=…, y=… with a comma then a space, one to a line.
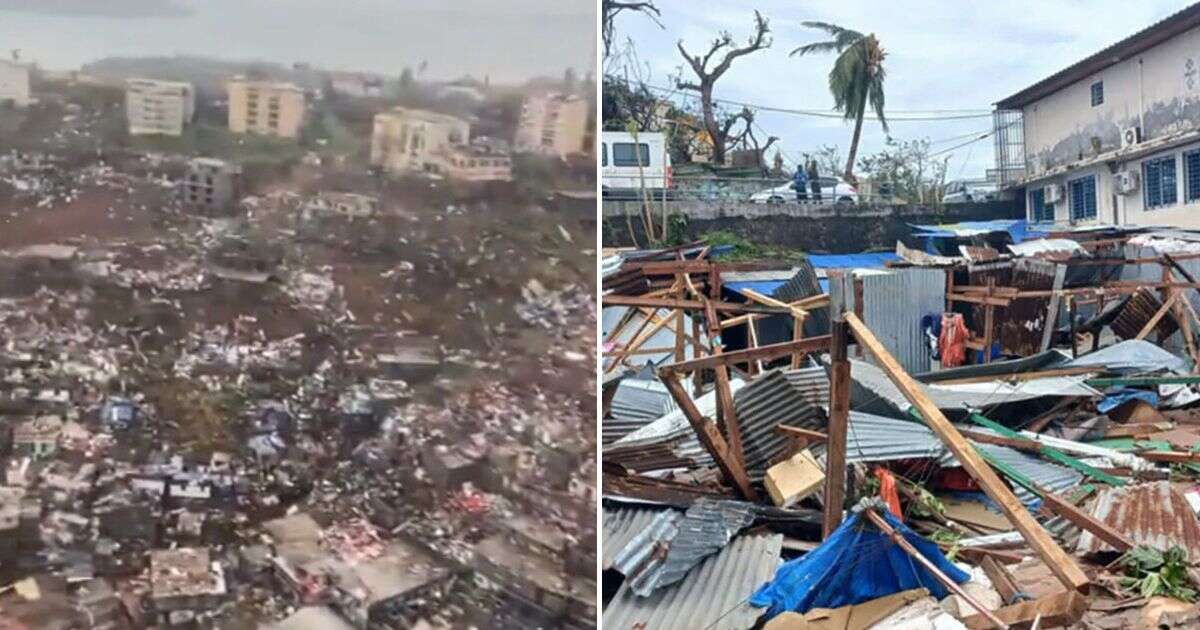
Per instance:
x=1007, y=407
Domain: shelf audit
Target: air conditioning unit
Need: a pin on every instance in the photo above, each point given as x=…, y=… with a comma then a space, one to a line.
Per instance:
x=1126, y=182
x=1053, y=193
x=1130, y=136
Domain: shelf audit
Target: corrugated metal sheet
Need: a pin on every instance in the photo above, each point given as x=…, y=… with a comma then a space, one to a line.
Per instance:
x=767, y=402
x=712, y=596
x=804, y=284
x=620, y=525
x=871, y=438
x=872, y=391
x=812, y=383
x=1052, y=477
x=673, y=543
x=920, y=291
x=1151, y=514
x=1025, y=326
x=635, y=404
x=668, y=442
x=1138, y=311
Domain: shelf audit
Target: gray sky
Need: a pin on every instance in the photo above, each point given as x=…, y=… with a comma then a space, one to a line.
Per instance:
x=510, y=40
x=942, y=55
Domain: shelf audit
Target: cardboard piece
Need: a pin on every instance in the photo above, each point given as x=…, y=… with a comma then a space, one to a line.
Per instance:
x=793, y=479
x=856, y=617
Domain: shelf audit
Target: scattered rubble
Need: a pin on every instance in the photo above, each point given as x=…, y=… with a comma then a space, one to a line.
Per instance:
x=1035, y=468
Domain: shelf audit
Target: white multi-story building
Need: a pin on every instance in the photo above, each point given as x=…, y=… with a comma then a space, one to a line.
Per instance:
x=14, y=83
x=413, y=140
x=553, y=124
x=158, y=107
x=1115, y=138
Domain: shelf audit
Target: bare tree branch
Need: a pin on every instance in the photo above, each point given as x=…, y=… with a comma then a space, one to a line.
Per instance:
x=612, y=8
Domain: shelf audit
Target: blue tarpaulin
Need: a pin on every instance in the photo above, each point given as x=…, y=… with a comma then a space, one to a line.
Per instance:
x=1112, y=400
x=869, y=260
x=857, y=563
x=1018, y=229
x=765, y=287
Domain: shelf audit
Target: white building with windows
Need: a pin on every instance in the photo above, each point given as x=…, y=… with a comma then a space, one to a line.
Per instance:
x=158, y=107
x=14, y=84
x=1115, y=138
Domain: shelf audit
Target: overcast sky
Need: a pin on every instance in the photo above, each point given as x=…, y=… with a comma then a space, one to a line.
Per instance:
x=509, y=39
x=942, y=54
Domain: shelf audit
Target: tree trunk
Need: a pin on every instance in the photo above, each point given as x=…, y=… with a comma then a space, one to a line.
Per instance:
x=710, y=123
x=858, y=122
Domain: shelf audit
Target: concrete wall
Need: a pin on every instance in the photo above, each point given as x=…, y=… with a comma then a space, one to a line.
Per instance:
x=14, y=83
x=805, y=227
x=1158, y=90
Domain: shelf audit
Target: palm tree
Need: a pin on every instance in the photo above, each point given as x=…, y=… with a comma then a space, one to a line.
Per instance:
x=855, y=80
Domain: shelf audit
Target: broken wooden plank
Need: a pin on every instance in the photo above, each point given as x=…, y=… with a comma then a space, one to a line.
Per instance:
x=764, y=353
x=1062, y=564
x=1002, y=580
x=839, y=419
x=710, y=437
x=1055, y=611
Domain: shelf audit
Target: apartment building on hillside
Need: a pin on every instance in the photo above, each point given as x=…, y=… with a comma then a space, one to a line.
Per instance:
x=553, y=124
x=1113, y=139
x=14, y=84
x=158, y=107
x=413, y=140
x=265, y=108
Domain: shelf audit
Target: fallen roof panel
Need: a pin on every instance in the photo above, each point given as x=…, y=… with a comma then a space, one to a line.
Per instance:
x=713, y=595
x=1151, y=514
x=621, y=524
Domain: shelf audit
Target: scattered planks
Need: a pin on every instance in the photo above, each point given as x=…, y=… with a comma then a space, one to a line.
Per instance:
x=1061, y=564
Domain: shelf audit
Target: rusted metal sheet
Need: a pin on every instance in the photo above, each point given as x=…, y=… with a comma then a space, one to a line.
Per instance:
x=1138, y=310
x=1025, y=326
x=1151, y=514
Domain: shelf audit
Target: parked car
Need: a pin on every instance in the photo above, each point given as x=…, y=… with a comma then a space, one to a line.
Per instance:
x=969, y=191
x=620, y=175
x=833, y=189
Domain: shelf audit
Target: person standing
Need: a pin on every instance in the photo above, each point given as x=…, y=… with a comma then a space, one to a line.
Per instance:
x=800, y=183
x=814, y=182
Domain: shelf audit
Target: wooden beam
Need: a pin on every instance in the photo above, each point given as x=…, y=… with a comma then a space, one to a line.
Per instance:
x=710, y=437
x=839, y=417
x=725, y=393
x=1162, y=311
x=1059, y=562
x=1054, y=611
x=978, y=299
x=811, y=436
x=1170, y=457
x=1003, y=581
x=937, y=573
x=695, y=305
x=765, y=353
x=1064, y=508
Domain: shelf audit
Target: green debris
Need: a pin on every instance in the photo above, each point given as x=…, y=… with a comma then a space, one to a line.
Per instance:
x=1151, y=572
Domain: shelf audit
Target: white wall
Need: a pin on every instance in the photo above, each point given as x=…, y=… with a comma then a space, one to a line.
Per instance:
x=1158, y=90
x=14, y=83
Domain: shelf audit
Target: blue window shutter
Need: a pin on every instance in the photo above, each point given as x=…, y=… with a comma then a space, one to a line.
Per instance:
x=1191, y=175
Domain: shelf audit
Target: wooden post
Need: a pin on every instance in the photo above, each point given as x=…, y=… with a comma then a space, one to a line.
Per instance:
x=989, y=323
x=839, y=417
x=1071, y=314
x=698, y=351
x=710, y=437
x=1059, y=562
x=797, y=334
x=724, y=393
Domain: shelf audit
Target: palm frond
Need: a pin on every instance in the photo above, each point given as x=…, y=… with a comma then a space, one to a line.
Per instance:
x=816, y=47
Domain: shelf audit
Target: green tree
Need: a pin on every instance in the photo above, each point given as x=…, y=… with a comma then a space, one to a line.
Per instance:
x=856, y=79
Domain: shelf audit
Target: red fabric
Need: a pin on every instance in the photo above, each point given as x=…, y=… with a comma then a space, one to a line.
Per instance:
x=952, y=343
x=887, y=491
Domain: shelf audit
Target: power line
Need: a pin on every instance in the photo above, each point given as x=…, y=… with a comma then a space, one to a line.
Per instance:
x=965, y=114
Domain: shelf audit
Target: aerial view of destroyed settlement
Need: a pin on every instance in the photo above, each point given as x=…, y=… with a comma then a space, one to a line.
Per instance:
x=899, y=315
x=297, y=314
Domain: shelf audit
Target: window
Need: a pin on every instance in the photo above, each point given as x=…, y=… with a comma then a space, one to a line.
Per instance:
x=603, y=154
x=1159, y=177
x=1097, y=93
x=623, y=154
x=1082, y=198
x=1040, y=211
x=1191, y=176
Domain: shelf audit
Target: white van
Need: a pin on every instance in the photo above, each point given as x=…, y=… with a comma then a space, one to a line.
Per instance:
x=619, y=160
